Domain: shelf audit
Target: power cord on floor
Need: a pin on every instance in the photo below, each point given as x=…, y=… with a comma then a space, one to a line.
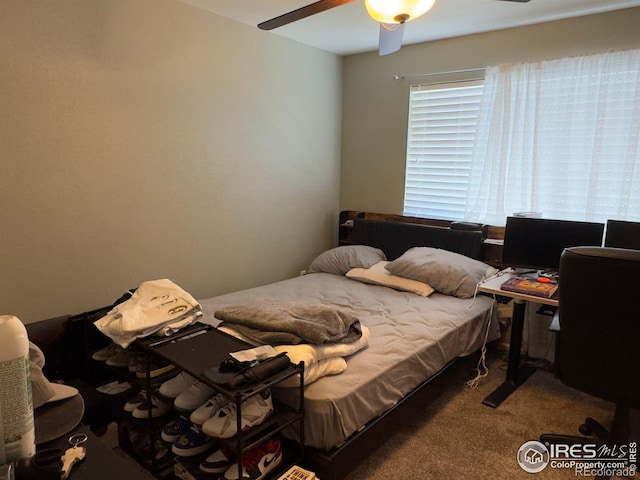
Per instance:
x=482, y=370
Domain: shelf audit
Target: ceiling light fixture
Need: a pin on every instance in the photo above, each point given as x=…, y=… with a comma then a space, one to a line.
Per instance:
x=397, y=11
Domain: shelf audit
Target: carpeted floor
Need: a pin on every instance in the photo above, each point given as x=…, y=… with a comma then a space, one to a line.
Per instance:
x=458, y=437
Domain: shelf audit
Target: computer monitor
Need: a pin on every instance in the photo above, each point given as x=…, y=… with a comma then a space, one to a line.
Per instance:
x=536, y=243
x=622, y=234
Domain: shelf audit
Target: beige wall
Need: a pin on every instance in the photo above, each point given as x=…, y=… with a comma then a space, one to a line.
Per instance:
x=146, y=139
x=375, y=105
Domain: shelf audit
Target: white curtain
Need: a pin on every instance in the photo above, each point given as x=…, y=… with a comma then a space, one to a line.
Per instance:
x=561, y=138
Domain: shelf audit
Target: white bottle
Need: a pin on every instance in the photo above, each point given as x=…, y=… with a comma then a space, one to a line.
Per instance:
x=17, y=434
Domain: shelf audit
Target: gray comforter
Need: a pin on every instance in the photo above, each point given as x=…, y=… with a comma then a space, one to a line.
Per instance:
x=292, y=323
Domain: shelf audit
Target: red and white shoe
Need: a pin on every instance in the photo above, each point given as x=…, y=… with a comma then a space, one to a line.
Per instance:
x=257, y=463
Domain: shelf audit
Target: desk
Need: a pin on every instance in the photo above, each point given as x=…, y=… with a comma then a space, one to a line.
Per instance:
x=100, y=462
x=516, y=375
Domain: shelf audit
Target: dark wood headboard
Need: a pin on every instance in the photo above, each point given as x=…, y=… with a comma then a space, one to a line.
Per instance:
x=394, y=234
x=395, y=238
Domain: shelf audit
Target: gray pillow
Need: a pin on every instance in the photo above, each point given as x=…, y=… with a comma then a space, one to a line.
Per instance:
x=340, y=260
x=448, y=272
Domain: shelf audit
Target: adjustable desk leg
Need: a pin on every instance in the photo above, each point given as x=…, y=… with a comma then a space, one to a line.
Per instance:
x=515, y=375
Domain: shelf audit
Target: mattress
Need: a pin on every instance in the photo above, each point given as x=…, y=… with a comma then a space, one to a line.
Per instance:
x=411, y=338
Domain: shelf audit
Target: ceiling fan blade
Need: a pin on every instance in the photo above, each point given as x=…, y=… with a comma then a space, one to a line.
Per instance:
x=300, y=13
x=390, y=37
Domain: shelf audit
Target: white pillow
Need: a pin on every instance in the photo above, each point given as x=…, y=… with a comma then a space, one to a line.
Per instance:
x=378, y=275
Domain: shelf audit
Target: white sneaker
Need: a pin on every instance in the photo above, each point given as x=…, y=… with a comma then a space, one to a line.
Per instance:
x=133, y=402
x=178, y=384
x=219, y=461
x=193, y=397
x=153, y=407
x=114, y=388
x=206, y=411
x=254, y=411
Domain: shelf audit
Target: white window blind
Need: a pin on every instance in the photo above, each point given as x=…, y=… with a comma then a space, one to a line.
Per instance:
x=441, y=132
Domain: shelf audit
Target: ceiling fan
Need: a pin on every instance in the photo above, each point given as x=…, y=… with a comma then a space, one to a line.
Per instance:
x=392, y=16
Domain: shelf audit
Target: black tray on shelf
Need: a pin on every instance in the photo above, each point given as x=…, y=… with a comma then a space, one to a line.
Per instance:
x=197, y=351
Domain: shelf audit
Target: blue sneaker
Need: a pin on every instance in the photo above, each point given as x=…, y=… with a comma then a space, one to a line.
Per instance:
x=172, y=430
x=194, y=442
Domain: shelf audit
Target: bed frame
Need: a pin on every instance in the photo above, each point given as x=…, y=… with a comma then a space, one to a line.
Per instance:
x=394, y=235
x=393, y=241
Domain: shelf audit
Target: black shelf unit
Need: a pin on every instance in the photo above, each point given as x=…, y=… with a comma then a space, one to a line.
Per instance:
x=200, y=347
x=144, y=450
x=147, y=430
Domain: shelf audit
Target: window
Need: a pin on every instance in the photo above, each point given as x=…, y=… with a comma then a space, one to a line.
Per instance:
x=559, y=137
x=442, y=126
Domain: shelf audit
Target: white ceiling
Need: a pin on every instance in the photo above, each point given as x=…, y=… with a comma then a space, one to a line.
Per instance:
x=348, y=29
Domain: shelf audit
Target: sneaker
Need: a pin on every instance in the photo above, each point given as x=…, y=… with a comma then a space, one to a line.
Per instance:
x=194, y=442
x=176, y=427
x=219, y=461
x=137, y=362
x=107, y=352
x=140, y=441
x=153, y=407
x=133, y=402
x=206, y=411
x=193, y=397
x=254, y=411
x=156, y=368
x=120, y=359
x=257, y=463
x=160, y=449
x=114, y=388
x=178, y=384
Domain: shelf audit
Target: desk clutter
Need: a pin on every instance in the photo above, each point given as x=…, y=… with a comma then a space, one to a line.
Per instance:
x=530, y=287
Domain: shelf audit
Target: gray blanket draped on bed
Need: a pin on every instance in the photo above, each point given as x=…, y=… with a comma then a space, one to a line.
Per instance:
x=292, y=323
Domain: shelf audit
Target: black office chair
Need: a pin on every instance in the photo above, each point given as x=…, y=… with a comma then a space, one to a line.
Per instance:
x=597, y=345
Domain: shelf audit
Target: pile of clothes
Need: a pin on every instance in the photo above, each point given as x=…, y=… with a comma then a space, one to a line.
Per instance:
x=319, y=335
x=156, y=307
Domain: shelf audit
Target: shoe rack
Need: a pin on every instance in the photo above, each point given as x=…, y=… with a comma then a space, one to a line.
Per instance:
x=138, y=429
x=201, y=347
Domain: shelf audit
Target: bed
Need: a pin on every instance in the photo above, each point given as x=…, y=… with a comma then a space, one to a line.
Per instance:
x=412, y=338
